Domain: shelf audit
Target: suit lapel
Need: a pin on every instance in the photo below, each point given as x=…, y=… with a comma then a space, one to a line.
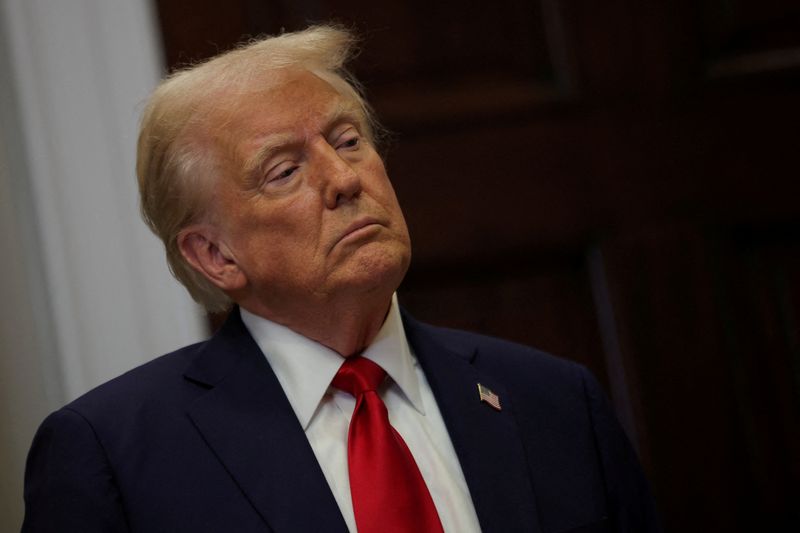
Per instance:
x=486, y=441
x=247, y=420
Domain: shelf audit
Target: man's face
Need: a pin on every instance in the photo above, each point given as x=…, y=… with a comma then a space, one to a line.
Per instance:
x=303, y=205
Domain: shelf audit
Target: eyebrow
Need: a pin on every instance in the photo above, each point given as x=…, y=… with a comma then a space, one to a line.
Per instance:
x=345, y=111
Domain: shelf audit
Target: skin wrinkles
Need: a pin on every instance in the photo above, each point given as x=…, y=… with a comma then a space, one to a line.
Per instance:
x=307, y=230
x=270, y=145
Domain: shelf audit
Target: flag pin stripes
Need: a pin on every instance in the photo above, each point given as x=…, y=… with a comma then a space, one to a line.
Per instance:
x=489, y=397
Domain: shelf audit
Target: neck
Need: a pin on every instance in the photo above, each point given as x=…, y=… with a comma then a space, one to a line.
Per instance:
x=346, y=327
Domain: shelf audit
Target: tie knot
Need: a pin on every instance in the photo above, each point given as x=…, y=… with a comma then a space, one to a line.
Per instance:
x=357, y=375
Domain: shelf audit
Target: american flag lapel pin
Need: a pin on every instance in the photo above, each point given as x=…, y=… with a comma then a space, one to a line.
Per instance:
x=489, y=397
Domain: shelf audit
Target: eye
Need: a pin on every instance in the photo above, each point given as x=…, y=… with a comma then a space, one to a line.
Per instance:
x=350, y=143
x=281, y=174
x=286, y=173
x=349, y=139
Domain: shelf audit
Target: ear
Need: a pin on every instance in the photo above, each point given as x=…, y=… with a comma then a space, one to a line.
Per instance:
x=202, y=249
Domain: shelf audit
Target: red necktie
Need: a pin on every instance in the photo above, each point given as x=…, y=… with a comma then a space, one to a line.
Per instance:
x=388, y=492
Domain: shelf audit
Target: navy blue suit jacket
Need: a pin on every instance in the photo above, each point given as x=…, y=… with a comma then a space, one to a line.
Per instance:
x=204, y=439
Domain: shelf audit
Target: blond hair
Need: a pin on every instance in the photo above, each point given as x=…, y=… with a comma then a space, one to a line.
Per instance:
x=175, y=167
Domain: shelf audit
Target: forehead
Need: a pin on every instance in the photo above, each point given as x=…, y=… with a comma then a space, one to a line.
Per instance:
x=292, y=104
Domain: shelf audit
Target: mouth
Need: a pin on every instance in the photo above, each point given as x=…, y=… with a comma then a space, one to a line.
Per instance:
x=359, y=227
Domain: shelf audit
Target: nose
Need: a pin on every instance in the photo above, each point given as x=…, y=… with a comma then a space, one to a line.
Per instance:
x=339, y=181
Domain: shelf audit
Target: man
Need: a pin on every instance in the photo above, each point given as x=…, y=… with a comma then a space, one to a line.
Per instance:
x=258, y=170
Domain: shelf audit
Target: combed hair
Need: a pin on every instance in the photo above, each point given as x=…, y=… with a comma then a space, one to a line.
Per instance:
x=176, y=167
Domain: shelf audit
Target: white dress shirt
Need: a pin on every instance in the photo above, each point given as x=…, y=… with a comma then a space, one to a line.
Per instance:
x=305, y=369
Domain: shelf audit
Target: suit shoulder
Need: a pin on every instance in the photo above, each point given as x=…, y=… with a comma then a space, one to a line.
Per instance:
x=462, y=341
x=500, y=353
x=150, y=381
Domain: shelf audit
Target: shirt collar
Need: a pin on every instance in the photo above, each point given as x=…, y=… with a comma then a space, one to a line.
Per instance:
x=305, y=368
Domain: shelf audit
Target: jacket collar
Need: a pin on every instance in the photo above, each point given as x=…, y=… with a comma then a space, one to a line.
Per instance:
x=486, y=441
x=247, y=421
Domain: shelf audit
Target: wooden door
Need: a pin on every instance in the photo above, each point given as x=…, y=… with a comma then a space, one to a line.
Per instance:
x=615, y=182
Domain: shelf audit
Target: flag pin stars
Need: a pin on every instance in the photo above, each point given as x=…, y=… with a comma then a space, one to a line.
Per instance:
x=489, y=397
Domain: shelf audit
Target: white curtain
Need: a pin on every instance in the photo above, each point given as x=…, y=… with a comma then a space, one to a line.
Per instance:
x=85, y=289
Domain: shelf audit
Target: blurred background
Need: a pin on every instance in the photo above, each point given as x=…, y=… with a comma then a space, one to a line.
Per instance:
x=615, y=182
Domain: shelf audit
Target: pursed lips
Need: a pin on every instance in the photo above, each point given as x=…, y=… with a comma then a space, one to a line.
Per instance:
x=356, y=226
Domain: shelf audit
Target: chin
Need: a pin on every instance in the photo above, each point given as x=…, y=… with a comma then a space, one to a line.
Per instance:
x=378, y=269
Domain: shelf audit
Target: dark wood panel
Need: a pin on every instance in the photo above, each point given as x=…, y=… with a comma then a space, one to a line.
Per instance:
x=708, y=322
x=562, y=179
x=543, y=300
x=748, y=37
x=734, y=27
x=611, y=181
x=662, y=288
x=424, y=61
x=759, y=270
x=196, y=30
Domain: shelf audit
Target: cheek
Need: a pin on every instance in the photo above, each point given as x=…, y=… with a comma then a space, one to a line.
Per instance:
x=391, y=204
x=380, y=185
x=289, y=229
